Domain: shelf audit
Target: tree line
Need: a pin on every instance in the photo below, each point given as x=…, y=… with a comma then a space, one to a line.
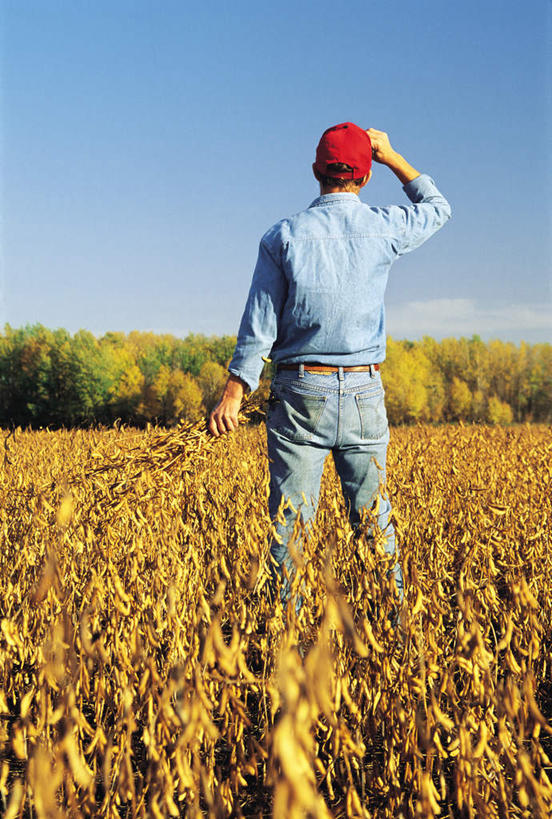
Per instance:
x=52, y=378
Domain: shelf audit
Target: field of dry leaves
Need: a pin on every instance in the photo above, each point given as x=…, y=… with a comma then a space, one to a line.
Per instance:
x=144, y=674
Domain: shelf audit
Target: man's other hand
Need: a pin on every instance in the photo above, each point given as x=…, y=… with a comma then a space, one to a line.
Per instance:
x=224, y=417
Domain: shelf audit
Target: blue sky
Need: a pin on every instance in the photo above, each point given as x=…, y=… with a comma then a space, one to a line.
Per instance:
x=146, y=147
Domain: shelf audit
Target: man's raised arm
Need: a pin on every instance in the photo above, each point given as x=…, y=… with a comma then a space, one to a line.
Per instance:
x=383, y=153
x=429, y=211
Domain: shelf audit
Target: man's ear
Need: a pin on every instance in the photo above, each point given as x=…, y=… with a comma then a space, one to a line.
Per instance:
x=366, y=179
x=315, y=172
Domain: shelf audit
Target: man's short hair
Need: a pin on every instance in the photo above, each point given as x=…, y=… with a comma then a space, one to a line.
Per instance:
x=329, y=181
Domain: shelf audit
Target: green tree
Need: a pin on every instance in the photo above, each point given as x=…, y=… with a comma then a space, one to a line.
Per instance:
x=79, y=379
x=25, y=375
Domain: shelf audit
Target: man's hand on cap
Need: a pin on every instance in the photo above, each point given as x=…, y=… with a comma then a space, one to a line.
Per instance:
x=381, y=147
x=383, y=152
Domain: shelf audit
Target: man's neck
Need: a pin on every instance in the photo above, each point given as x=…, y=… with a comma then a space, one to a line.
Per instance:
x=324, y=191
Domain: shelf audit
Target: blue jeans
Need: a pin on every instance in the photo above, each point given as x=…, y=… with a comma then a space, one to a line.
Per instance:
x=309, y=415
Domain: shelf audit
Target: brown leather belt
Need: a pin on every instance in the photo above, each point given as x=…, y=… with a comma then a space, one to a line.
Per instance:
x=326, y=368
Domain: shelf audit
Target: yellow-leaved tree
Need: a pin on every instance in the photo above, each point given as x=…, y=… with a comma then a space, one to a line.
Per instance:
x=127, y=385
x=499, y=412
x=172, y=396
x=211, y=380
x=153, y=404
x=184, y=400
x=412, y=390
x=460, y=400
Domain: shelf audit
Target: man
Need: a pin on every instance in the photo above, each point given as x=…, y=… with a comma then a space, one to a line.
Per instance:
x=316, y=308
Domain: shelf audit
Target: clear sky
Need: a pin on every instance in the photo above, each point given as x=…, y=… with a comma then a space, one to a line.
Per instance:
x=147, y=146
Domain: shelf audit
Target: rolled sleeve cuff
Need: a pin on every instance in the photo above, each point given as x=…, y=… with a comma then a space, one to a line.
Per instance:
x=420, y=188
x=248, y=377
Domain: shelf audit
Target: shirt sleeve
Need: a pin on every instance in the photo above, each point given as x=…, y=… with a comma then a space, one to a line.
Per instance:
x=259, y=325
x=422, y=219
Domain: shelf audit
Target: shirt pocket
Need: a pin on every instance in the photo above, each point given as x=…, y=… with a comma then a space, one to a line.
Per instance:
x=295, y=415
x=372, y=414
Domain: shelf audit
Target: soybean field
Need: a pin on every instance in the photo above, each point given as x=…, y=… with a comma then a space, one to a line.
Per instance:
x=145, y=673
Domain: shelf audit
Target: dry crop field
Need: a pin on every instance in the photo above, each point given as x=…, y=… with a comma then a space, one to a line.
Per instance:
x=143, y=673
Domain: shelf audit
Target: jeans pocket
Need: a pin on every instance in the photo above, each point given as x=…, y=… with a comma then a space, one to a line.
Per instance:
x=295, y=415
x=372, y=414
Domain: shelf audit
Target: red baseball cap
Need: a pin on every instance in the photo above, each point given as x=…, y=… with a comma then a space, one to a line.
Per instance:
x=348, y=144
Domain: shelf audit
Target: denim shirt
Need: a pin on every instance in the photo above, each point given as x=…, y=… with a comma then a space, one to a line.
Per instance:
x=318, y=286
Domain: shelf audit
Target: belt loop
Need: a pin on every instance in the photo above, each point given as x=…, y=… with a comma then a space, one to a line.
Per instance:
x=372, y=371
x=301, y=370
x=340, y=374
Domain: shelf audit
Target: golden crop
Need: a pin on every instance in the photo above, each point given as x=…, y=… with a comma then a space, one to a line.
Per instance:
x=143, y=672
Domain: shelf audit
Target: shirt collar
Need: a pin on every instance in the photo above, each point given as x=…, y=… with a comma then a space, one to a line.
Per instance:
x=334, y=199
